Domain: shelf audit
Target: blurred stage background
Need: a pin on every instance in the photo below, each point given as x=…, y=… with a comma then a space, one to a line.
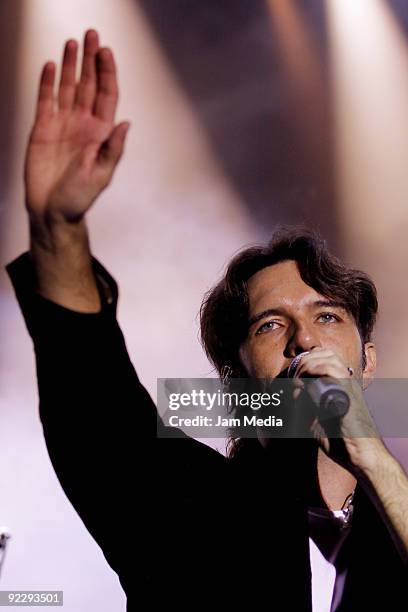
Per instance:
x=245, y=114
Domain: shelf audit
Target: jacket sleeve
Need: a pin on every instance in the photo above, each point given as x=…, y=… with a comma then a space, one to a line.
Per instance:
x=98, y=419
x=100, y=424
x=100, y=427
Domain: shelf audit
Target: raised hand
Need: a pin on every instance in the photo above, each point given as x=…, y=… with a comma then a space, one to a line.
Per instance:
x=74, y=144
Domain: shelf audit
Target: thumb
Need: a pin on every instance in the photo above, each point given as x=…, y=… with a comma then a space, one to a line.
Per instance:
x=112, y=149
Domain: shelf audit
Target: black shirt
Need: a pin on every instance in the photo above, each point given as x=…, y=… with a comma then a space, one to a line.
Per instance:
x=182, y=525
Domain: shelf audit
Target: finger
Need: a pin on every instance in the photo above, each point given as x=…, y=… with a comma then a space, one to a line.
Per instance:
x=45, y=101
x=314, y=424
x=315, y=367
x=112, y=150
x=86, y=89
x=323, y=368
x=107, y=93
x=66, y=93
x=324, y=354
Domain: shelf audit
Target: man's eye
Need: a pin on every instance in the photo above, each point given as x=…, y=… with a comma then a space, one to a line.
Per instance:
x=328, y=317
x=266, y=327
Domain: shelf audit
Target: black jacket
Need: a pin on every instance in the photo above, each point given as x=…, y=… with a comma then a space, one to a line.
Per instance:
x=181, y=524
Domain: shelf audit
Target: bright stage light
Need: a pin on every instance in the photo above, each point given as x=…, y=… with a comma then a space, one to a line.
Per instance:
x=302, y=84
x=303, y=71
x=369, y=71
x=370, y=93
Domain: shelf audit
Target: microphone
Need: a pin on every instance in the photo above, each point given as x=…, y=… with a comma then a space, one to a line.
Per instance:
x=330, y=398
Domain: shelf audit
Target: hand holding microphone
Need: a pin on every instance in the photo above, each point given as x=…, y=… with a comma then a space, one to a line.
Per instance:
x=330, y=399
x=338, y=408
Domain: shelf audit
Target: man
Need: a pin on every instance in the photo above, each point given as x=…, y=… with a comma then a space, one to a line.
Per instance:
x=179, y=523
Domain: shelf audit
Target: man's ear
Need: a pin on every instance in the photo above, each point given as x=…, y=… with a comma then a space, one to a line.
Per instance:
x=370, y=363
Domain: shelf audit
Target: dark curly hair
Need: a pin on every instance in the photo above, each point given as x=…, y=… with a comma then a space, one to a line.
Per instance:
x=224, y=311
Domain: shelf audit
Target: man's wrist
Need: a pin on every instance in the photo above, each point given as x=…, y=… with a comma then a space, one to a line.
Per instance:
x=61, y=255
x=50, y=232
x=378, y=464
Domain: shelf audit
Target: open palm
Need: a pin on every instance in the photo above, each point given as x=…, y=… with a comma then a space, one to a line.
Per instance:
x=74, y=145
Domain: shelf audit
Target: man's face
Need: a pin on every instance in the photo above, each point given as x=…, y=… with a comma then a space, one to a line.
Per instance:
x=287, y=317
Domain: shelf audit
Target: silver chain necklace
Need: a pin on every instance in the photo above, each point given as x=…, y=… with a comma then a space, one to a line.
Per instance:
x=347, y=511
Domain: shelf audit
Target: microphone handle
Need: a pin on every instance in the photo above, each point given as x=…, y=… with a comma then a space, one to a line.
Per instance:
x=331, y=400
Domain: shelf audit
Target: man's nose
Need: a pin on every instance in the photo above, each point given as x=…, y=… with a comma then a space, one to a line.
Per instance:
x=303, y=339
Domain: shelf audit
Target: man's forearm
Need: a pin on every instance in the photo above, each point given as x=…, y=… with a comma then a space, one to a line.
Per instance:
x=61, y=255
x=74, y=147
x=387, y=485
